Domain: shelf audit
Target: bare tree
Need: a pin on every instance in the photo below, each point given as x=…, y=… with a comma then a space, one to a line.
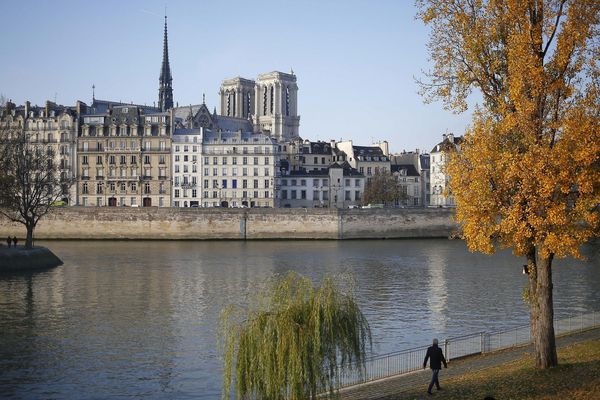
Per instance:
x=383, y=188
x=30, y=182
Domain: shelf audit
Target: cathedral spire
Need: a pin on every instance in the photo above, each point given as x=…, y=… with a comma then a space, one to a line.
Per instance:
x=165, y=88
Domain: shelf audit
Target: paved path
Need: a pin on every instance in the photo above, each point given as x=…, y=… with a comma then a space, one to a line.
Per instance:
x=395, y=386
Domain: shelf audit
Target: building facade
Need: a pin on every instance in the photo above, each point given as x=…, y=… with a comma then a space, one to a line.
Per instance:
x=439, y=156
x=124, y=156
x=53, y=128
x=238, y=169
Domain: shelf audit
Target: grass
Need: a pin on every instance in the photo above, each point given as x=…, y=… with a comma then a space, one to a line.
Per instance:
x=576, y=378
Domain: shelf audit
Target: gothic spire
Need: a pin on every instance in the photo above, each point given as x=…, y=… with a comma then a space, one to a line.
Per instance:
x=165, y=89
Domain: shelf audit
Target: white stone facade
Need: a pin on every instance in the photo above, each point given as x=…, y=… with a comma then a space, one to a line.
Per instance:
x=439, y=157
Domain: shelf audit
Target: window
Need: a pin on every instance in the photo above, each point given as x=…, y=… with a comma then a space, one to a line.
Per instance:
x=369, y=171
x=255, y=160
x=245, y=183
x=245, y=161
x=112, y=187
x=266, y=194
x=224, y=171
x=234, y=171
x=84, y=160
x=123, y=187
x=347, y=182
x=99, y=188
x=177, y=158
x=215, y=160
x=194, y=193
x=266, y=171
x=133, y=160
x=266, y=160
x=284, y=194
x=234, y=184
x=146, y=159
x=112, y=160
x=293, y=194
x=147, y=188
x=234, y=160
x=99, y=160
x=244, y=171
x=255, y=183
x=205, y=184
x=255, y=171
x=303, y=194
x=302, y=182
x=224, y=161
x=315, y=195
x=133, y=187
x=357, y=182
x=176, y=193
x=266, y=183
x=85, y=189
x=316, y=160
x=176, y=168
x=347, y=195
x=224, y=184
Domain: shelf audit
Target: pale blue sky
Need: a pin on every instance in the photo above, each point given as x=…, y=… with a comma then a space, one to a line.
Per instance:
x=355, y=60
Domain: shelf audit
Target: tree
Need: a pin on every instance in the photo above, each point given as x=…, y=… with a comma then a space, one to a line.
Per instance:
x=383, y=188
x=30, y=182
x=294, y=341
x=528, y=174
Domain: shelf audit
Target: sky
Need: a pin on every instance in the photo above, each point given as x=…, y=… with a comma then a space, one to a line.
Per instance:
x=355, y=61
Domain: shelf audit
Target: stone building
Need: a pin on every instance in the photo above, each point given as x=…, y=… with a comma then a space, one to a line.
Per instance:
x=332, y=186
x=239, y=169
x=270, y=103
x=409, y=180
x=368, y=160
x=186, y=159
x=53, y=127
x=124, y=156
x=440, y=195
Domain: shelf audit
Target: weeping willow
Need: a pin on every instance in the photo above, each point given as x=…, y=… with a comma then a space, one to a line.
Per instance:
x=295, y=340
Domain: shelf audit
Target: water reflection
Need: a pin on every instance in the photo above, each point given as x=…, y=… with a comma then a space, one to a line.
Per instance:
x=139, y=319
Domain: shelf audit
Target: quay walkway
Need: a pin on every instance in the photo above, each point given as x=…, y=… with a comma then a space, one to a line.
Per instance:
x=394, y=387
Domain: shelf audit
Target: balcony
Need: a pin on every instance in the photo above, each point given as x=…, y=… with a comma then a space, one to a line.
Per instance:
x=147, y=177
x=85, y=178
x=99, y=177
x=162, y=177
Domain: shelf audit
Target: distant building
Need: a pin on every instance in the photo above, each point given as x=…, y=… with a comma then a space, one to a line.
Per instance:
x=187, y=168
x=440, y=194
x=368, y=160
x=413, y=167
x=333, y=186
x=238, y=169
x=124, y=156
x=409, y=181
x=53, y=127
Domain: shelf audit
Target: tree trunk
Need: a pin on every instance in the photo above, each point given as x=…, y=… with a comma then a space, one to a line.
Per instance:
x=29, y=239
x=544, y=341
x=533, y=299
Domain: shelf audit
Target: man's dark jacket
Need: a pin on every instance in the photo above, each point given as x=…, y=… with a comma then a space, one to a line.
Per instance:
x=434, y=353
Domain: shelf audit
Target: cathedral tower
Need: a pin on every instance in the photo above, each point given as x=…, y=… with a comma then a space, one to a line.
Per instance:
x=165, y=88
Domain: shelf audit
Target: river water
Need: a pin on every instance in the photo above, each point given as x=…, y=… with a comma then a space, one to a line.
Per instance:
x=138, y=319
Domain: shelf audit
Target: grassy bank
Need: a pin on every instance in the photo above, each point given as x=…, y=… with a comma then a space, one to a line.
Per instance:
x=577, y=377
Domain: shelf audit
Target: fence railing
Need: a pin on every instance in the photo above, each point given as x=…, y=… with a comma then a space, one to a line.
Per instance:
x=410, y=360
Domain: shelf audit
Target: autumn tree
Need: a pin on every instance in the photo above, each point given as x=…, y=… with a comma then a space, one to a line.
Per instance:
x=294, y=341
x=528, y=175
x=383, y=188
x=30, y=181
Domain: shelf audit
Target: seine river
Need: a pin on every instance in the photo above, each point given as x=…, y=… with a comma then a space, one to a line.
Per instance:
x=135, y=319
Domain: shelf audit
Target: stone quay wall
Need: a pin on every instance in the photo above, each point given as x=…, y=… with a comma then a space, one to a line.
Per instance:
x=238, y=224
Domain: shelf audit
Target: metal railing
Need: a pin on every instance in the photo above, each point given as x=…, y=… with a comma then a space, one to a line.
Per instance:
x=403, y=362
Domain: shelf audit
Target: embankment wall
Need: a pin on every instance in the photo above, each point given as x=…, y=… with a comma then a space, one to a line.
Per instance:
x=240, y=224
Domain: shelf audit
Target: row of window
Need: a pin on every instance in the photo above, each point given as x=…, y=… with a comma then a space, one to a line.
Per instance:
x=112, y=188
x=216, y=194
x=225, y=171
x=317, y=195
x=317, y=182
x=112, y=160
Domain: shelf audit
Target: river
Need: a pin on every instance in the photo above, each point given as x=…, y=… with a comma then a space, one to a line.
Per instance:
x=138, y=319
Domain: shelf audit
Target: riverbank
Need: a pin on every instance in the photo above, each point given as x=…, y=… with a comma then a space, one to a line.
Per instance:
x=506, y=374
x=148, y=223
x=20, y=259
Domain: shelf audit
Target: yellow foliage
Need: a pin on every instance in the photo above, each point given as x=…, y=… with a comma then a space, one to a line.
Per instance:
x=528, y=174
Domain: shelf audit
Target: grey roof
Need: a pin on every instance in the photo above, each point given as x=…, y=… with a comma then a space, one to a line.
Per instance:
x=232, y=124
x=323, y=148
x=410, y=169
x=372, y=151
x=212, y=137
x=447, y=144
x=102, y=107
x=425, y=161
x=187, y=131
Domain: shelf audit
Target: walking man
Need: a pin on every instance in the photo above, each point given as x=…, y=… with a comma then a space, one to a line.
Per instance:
x=436, y=358
x=8, y=241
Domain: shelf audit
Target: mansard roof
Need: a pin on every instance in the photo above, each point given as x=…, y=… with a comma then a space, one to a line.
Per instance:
x=409, y=168
x=320, y=148
x=450, y=142
x=103, y=106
